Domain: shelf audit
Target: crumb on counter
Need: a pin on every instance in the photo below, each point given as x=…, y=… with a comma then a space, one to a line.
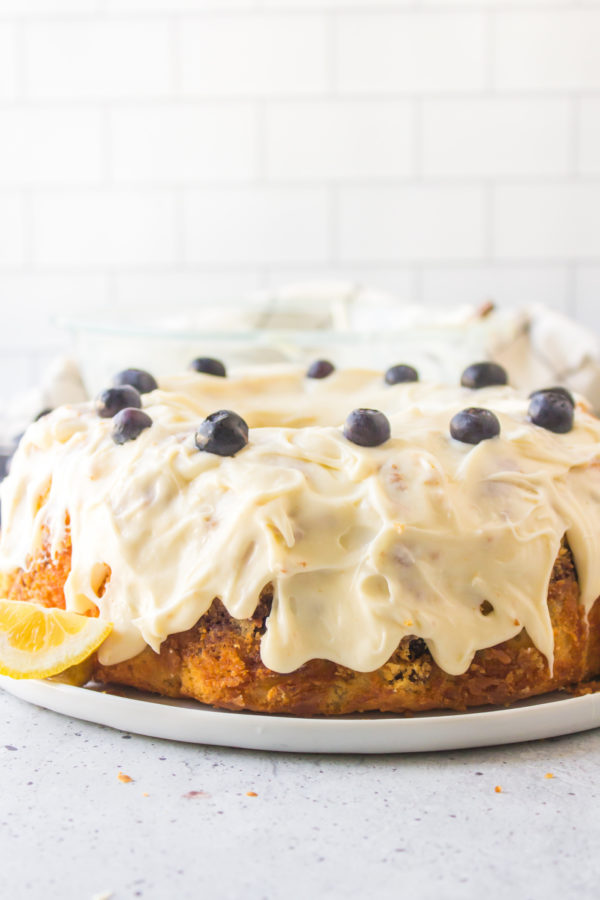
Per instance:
x=124, y=778
x=498, y=789
x=145, y=794
x=549, y=775
x=251, y=794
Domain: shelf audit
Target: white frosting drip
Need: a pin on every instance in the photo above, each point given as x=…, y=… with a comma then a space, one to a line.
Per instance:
x=363, y=546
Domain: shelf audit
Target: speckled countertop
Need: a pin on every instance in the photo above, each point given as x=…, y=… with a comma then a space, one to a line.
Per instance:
x=421, y=825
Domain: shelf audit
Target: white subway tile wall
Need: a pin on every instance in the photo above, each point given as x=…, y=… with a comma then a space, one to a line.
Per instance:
x=493, y=137
x=185, y=143
x=253, y=55
x=256, y=225
x=545, y=221
x=413, y=222
x=182, y=151
x=43, y=146
x=97, y=60
x=340, y=140
x=103, y=227
x=543, y=51
x=414, y=52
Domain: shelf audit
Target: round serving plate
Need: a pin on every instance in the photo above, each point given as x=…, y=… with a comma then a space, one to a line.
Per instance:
x=182, y=720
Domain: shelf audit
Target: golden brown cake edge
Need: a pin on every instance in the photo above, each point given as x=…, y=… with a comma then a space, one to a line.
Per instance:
x=217, y=662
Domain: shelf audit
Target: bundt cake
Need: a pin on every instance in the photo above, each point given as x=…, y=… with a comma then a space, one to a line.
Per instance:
x=320, y=542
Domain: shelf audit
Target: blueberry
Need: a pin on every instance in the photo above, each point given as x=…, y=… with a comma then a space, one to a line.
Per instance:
x=141, y=380
x=483, y=374
x=552, y=410
x=320, y=368
x=416, y=649
x=474, y=425
x=208, y=366
x=401, y=373
x=113, y=400
x=129, y=424
x=555, y=390
x=367, y=427
x=223, y=433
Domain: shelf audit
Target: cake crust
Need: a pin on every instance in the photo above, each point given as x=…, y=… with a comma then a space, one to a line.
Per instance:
x=218, y=662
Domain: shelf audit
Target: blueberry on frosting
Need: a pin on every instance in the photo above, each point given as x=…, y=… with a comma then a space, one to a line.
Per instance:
x=208, y=366
x=114, y=399
x=129, y=424
x=473, y=425
x=555, y=390
x=367, y=427
x=141, y=380
x=401, y=373
x=483, y=374
x=223, y=433
x=320, y=368
x=552, y=410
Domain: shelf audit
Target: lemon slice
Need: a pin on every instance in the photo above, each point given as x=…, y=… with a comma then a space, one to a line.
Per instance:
x=36, y=642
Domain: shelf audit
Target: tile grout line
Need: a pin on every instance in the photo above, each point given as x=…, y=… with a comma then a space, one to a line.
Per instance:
x=574, y=162
x=27, y=203
x=572, y=289
x=180, y=242
x=107, y=175
x=175, y=61
x=418, y=142
x=21, y=64
x=334, y=225
x=490, y=46
x=489, y=205
x=261, y=116
x=215, y=99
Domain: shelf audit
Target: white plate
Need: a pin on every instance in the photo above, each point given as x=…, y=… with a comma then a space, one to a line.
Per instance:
x=183, y=720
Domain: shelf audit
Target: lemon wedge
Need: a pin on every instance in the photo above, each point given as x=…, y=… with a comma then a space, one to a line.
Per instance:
x=36, y=642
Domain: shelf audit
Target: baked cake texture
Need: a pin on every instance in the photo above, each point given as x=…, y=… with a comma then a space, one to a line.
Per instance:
x=309, y=572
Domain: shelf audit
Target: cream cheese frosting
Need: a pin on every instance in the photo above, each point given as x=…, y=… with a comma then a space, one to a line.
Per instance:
x=363, y=546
